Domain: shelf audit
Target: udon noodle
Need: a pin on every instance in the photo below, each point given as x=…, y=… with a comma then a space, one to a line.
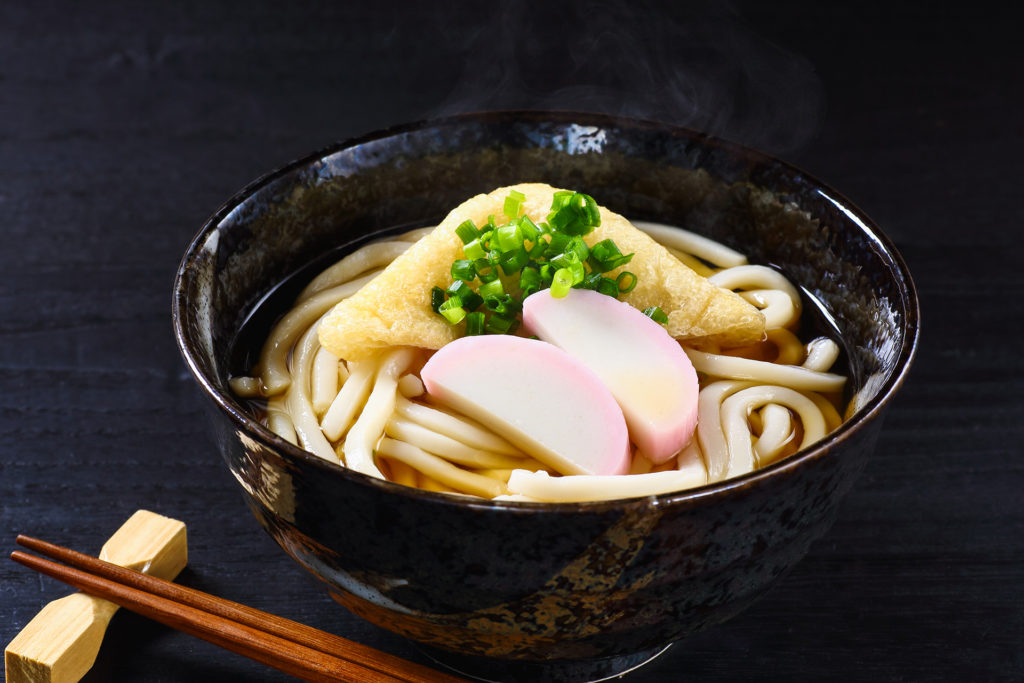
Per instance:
x=757, y=404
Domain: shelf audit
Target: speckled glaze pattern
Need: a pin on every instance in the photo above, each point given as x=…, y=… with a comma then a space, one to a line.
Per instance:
x=519, y=581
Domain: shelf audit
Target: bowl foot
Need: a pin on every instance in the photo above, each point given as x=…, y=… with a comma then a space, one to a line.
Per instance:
x=553, y=671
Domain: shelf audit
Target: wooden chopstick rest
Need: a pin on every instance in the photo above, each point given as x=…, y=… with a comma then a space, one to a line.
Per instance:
x=61, y=642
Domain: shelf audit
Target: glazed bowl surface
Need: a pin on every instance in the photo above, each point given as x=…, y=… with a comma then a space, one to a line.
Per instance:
x=520, y=582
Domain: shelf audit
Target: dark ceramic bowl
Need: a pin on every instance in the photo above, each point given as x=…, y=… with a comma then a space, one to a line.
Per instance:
x=567, y=589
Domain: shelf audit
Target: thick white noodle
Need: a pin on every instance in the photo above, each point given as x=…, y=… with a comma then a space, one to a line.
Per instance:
x=638, y=464
x=776, y=432
x=458, y=428
x=350, y=399
x=415, y=235
x=689, y=460
x=795, y=376
x=692, y=262
x=440, y=469
x=690, y=453
x=307, y=427
x=245, y=387
x=411, y=386
x=376, y=255
x=324, y=383
x=279, y=420
x=737, y=407
x=582, y=487
x=776, y=306
x=791, y=351
x=692, y=243
x=755, y=277
x=446, y=447
x=369, y=426
x=710, y=434
x=273, y=361
x=822, y=354
x=828, y=411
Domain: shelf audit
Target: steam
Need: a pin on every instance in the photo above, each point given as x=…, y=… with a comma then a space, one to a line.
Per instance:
x=697, y=65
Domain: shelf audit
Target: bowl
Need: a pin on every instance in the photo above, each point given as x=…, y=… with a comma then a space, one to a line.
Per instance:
x=541, y=591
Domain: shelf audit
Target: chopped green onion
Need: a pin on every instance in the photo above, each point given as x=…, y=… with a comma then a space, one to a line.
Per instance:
x=578, y=272
x=565, y=259
x=561, y=283
x=513, y=261
x=547, y=273
x=605, y=256
x=537, y=250
x=504, y=304
x=436, y=298
x=497, y=324
x=467, y=231
x=608, y=287
x=656, y=314
x=626, y=281
x=452, y=310
x=513, y=203
x=474, y=250
x=508, y=237
x=557, y=244
x=593, y=212
x=470, y=299
x=475, y=323
x=577, y=246
x=492, y=288
x=576, y=214
x=463, y=269
x=529, y=281
x=530, y=231
x=605, y=250
x=485, y=270
x=590, y=281
x=560, y=199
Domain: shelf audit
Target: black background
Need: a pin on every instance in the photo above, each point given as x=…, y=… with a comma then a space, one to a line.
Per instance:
x=124, y=125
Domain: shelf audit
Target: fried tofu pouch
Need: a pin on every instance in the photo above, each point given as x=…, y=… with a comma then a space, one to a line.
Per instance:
x=394, y=309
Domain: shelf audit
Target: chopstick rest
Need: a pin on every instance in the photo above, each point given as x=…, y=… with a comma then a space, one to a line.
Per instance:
x=61, y=642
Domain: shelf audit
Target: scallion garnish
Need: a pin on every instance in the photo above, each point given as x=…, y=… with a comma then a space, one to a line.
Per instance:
x=452, y=310
x=529, y=281
x=503, y=264
x=605, y=256
x=626, y=281
x=467, y=231
x=498, y=324
x=462, y=289
x=475, y=323
x=656, y=314
x=492, y=288
x=436, y=298
x=463, y=269
x=513, y=203
x=561, y=283
x=474, y=250
x=608, y=287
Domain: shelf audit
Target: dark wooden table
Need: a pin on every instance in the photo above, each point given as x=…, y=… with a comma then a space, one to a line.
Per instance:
x=124, y=125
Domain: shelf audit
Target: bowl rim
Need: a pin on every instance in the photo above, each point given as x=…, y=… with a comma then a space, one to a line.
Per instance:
x=857, y=421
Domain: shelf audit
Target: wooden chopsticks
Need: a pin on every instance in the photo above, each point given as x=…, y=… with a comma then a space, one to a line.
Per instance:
x=291, y=647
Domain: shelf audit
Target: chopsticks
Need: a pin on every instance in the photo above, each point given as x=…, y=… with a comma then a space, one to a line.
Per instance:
x=291, y=647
